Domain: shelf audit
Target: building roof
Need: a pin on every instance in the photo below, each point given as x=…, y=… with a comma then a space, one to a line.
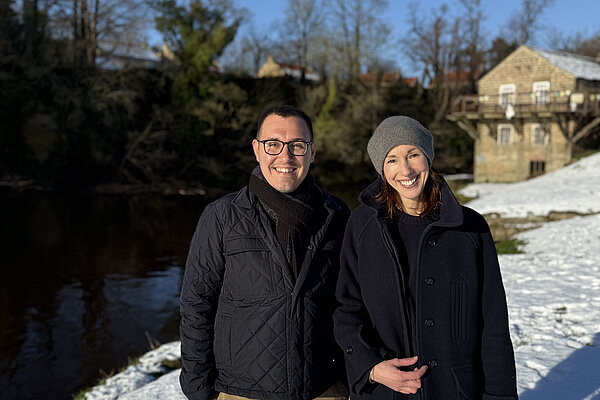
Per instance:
x=577, y=65
x=129, y=51
x=386, y=78
x=455, y=78
x=298, y=68
x=271, y=68
x=117, y=56
x=410, y=81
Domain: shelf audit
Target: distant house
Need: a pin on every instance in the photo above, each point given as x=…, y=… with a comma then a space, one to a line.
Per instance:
x=411, y=82
x=386, y=79
x=529, y=112
x=457, y=80
x=272, y=69
x=120, y=55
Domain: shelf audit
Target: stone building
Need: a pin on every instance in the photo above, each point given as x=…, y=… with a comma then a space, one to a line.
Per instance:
x=529, y=112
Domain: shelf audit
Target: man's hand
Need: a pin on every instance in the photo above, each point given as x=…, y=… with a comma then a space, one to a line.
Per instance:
x=388, y=373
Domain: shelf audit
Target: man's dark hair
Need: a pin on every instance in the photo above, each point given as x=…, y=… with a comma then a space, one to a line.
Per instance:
x=286, y=111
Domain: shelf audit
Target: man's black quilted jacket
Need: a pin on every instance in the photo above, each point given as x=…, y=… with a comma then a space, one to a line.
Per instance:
x=246, y=329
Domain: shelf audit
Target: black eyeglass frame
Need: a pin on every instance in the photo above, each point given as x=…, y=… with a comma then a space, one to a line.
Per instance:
x=283, y=144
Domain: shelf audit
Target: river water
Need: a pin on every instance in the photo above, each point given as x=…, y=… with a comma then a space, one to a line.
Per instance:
x=88, y=282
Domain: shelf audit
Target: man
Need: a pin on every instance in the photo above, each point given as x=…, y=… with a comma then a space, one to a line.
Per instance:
x=259, y=287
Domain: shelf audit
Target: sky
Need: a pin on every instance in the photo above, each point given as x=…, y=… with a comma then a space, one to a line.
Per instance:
x=552, y=291
x=566, y=16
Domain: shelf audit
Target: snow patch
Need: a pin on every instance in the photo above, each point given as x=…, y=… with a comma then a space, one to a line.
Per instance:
x=137, y=376
x=574, y=188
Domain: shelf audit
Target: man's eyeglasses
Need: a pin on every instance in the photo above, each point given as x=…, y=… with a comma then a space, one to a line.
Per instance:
x=274, y=147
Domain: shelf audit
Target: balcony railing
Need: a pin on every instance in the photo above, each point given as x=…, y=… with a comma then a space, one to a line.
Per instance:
x=555, y=102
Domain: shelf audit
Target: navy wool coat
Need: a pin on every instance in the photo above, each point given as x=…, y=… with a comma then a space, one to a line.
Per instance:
x=460, y=323
x=247, y=328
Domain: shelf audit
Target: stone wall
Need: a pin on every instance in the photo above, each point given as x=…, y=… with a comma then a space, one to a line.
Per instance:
x=511, y=162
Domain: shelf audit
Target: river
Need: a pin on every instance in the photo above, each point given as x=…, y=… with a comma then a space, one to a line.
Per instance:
x=88, y=282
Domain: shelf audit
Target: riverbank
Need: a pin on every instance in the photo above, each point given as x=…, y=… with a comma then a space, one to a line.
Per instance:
x=552, y=287
x=554, y=313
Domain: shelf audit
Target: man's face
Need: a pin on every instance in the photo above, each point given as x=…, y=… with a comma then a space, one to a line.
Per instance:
x=284, y=172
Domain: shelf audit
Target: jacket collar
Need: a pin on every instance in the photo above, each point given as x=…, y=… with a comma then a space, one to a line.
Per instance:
x=244, y=199
x=451, y=213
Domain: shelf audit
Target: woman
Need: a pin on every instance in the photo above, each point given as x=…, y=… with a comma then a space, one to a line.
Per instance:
x=422, y=306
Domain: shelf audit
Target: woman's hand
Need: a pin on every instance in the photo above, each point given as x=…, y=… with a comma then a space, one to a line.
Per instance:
x=388, y=373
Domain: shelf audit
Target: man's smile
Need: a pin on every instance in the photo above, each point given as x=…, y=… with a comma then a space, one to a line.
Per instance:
x=284, y=170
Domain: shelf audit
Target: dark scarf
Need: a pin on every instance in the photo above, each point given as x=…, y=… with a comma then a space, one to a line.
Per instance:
x=295, y=215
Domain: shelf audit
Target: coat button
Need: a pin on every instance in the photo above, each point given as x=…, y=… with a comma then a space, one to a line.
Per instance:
x=433, y=363
x=432, y=242
x=429, y=281
x=349, y=350
x=429, y=322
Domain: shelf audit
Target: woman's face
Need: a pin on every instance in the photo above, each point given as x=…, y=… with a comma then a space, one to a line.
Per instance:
x=406, y=169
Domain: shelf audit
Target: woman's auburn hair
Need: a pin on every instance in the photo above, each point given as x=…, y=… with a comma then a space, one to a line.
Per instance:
x=432, y=195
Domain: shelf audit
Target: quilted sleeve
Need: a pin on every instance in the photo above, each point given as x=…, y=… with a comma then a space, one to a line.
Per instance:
x=351, y=319
x=200, y=290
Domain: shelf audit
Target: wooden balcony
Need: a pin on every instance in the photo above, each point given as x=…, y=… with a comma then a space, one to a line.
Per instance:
x=525, y=105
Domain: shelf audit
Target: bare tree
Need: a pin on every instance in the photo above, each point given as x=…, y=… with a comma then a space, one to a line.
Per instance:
x=34, y=23
x=257, y=46
x=302, y=23
x=499, y=50
x=361, y=34
x=577, y=43
x=248, y=51
x=89, y=22
x=433, y=42
x=525, y=21
x=472, y=53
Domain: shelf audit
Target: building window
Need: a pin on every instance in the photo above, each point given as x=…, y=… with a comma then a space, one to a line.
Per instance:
x=541, y=92
x=536, y=168
x=505, y=134
x=507, y=94
x=539, y=137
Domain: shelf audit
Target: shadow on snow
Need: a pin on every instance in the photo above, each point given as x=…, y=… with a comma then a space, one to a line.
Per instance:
x=575, y=378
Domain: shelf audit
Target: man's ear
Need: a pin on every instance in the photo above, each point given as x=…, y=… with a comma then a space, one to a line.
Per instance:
x=256, y=148
x=313, y=152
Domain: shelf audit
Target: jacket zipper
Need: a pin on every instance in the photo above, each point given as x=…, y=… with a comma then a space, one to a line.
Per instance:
x=313, y=244
x=401, y=283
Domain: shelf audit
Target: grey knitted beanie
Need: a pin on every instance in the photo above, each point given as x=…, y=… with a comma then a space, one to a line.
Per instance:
x=394, y=131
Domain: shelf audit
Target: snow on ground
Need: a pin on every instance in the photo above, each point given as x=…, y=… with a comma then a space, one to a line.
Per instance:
x=573, y=188
x=552, y=289
x=553, y=293
x=139, y=375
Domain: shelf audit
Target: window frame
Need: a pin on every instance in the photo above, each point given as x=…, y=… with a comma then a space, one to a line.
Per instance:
x=504, y=91
x=541, y=92
x=534, y=127
x=511, y=134
x=536, y=168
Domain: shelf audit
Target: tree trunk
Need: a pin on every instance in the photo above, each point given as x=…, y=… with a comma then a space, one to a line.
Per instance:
x=75, y=34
